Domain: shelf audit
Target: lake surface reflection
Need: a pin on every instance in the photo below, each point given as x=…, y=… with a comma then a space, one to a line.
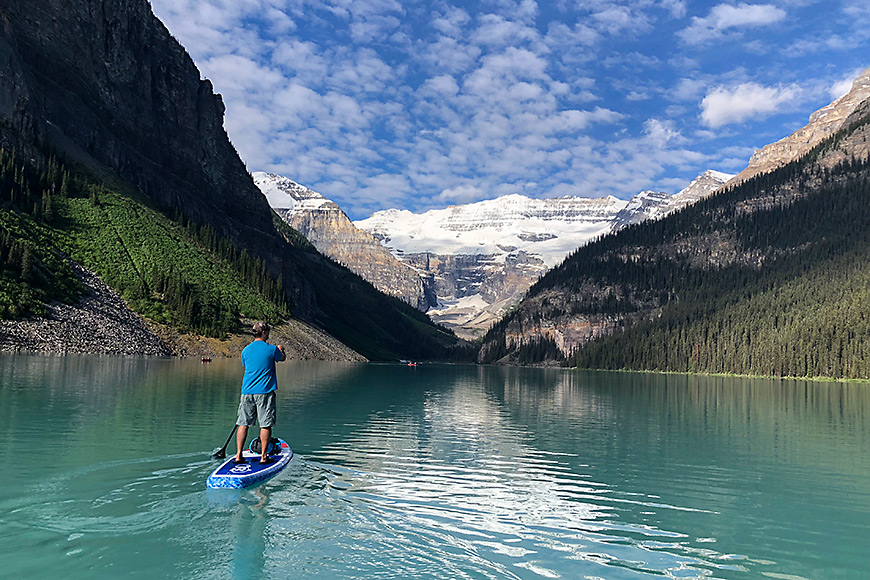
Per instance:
x=433, y=471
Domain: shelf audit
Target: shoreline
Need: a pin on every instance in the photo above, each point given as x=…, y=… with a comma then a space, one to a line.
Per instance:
x=102, y=324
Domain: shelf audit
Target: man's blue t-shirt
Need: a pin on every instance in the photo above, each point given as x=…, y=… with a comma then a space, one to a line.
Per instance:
x=259, y=360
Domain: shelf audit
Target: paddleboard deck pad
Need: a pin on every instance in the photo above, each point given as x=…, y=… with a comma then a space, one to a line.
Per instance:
x=235, y=475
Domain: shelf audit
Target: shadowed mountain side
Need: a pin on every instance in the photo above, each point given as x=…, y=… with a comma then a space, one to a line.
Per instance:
x=766, y=277
x=107, y=77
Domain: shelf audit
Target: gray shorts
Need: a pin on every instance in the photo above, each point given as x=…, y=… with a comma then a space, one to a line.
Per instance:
x=253, y=407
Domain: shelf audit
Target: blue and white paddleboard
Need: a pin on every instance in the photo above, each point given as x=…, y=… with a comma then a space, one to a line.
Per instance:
x=235, y=475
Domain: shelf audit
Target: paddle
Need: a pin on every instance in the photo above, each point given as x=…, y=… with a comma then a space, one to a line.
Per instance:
x=222, y=452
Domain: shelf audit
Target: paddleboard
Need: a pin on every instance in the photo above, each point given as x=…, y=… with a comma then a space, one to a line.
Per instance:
x=235, y=475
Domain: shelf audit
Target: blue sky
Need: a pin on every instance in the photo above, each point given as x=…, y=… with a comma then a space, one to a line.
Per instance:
x=418, y=105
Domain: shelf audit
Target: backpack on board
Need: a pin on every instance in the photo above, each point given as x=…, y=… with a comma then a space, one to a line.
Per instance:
x=273, y=448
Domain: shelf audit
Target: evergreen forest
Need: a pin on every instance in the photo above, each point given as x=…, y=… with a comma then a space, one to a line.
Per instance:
x=769, y=278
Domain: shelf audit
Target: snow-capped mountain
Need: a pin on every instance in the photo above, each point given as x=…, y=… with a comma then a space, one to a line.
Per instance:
x=484, y=256
x=285, y=194
x=466, y=264
x=326, y=226
x=549, y=228
x=653, y=204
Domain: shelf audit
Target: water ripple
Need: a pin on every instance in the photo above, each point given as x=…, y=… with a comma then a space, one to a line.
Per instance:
x=523, y=516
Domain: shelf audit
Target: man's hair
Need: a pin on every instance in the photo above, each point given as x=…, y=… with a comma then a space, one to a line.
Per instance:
x=261, y=328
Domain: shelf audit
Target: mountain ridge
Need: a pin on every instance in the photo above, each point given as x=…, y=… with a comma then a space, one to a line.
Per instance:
x=750, y=280
x=484, y=256
x=466, y=265
x=326, y=226
x=821, y=125
x=103, y=90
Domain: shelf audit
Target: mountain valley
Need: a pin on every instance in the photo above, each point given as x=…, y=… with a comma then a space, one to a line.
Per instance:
x=467, y=265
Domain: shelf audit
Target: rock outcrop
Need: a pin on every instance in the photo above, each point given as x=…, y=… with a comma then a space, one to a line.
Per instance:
x=822, y=124
x=326, y=226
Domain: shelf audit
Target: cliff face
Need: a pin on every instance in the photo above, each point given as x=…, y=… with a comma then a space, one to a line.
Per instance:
x=326, y=226
x=103, y=83
x=107, y=76
x=822, y=124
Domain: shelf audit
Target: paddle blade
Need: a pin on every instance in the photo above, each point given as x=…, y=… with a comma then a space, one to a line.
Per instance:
x=218, y=454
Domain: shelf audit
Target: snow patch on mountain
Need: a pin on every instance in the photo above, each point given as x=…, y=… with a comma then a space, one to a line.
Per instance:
x=467, y=264
x=284, y=193
x=550, y=228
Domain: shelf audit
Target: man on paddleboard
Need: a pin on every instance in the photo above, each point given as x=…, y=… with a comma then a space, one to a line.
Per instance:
x=258, y=390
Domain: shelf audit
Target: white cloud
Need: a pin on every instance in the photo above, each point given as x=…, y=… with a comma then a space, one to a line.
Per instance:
x=688, y=89
x=442, y=85
x=676, y=8
x=726, y=105
x=451, y=22
x=726, y=16
x=383, y=103
x=497, y=31
x=619, y=19
x=460, y=194
x=661, y=133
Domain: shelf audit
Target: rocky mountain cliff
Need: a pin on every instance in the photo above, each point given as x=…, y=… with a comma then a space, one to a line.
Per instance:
x=466, y=265
x=326, y=226
x=108, y=77
x=102, y=85
x=653, y=205
x=483, y=256
x=822, y=124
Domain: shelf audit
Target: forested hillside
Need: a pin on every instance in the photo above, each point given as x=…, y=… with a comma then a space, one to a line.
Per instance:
x=173, y=271
x=123, y=165
x=769, y=277
x=170, y=271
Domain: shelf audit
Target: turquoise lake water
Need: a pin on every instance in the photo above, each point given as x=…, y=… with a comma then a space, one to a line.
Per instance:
x=432, y=471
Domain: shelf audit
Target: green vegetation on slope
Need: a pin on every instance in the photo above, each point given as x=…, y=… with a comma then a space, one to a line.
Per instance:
x=178, y=273
x=174, y=273
x=815, y=324
x=804, y=312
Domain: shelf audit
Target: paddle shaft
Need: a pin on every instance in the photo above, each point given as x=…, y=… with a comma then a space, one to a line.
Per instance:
x=222, y=452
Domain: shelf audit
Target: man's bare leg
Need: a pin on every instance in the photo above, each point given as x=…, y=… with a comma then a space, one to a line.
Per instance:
x=265, y=435
x=241, y=436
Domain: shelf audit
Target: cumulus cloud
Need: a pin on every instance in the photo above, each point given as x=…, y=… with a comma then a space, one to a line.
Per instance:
x=676, y=8
x=464, y=193
x=726, y=16
x=383, y=103
x=618, y=19
x=736, y=104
